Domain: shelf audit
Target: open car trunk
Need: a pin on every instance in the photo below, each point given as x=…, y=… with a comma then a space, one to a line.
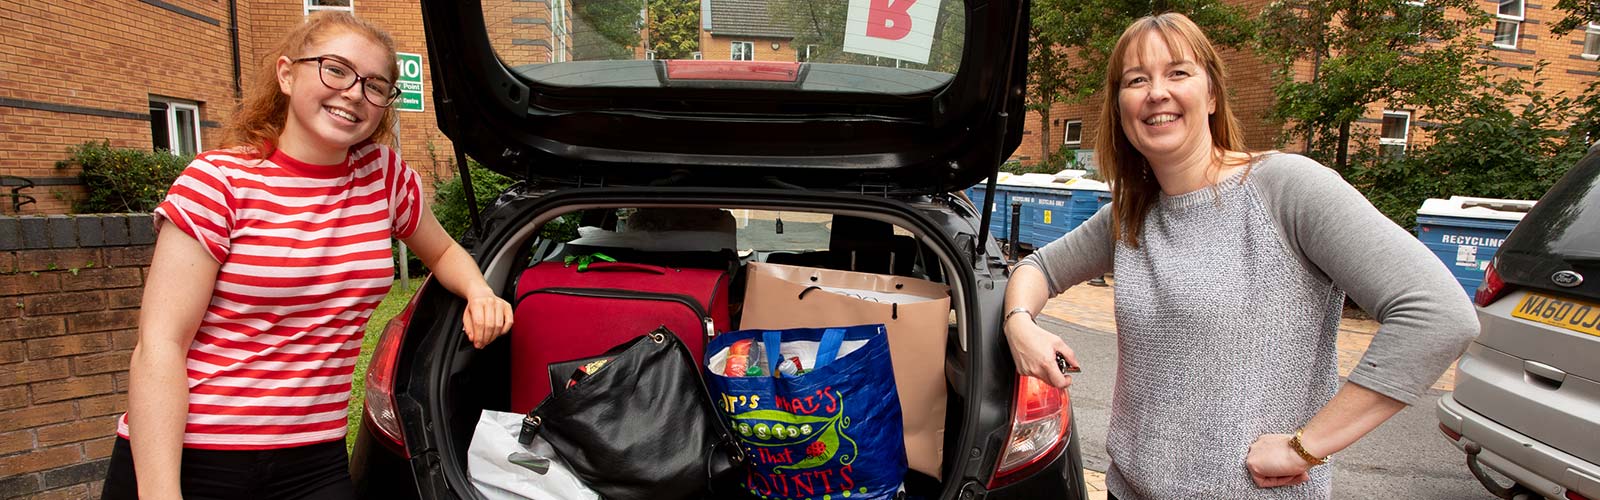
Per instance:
x=782, y=228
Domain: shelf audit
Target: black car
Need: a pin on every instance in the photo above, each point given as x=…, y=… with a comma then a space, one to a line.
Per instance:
x=878, y=135
x=1527, y=396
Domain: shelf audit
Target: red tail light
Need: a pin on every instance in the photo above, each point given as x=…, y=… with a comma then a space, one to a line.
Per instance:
x=1039, y=424
x=380, y=407
x=1573, y=495
x=1491, y=289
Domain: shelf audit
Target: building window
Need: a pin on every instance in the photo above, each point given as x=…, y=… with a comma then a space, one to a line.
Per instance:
x=1508, y=23
x=742, y=51
x=1591, y=41
x=1396, y=132
x=558, y=31
x=1074, y=133
x=175, y=127
x=316, y=5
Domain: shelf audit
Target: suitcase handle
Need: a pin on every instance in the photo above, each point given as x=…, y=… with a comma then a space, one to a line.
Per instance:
x=627, y=267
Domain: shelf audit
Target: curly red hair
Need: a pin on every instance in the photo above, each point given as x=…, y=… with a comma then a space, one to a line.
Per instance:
x=261, y=117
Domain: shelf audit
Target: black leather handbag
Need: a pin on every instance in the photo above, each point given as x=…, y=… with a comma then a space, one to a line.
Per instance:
x=640, y=427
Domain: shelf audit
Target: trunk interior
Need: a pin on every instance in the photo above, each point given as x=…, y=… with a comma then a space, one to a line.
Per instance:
x=725, y=237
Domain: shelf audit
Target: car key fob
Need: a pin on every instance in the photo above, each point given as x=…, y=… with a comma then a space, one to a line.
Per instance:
x=1061, y=362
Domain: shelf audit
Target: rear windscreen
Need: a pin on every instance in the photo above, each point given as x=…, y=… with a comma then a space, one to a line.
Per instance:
x=1566, y=223
x=870, y=46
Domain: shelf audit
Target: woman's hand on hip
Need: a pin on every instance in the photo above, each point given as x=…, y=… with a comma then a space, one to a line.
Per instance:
x=1034, y=349
x=487, y=318
x=1273, y=463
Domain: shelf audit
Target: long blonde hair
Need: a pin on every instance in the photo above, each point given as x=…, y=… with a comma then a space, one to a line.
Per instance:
x=261, y=117
x=1133, y=186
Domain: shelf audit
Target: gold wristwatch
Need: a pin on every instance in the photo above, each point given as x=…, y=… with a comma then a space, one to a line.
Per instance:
x=1294, y=442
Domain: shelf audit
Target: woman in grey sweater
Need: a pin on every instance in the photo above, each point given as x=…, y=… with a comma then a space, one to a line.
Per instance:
x=1231, y=269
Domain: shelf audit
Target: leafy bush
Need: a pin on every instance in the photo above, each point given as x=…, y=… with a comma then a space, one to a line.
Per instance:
x=450, y=197
x=450, y=207
x=1485, y=145
x=1063, y=158
x=122, y=180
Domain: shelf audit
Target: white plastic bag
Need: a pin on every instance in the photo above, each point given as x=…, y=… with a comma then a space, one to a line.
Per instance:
x=497, y=478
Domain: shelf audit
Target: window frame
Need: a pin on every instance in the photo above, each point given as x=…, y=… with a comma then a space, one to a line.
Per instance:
x=1405, y=140
x=316, y=8
x=1066, y=133
x=749, y=51
x=1515, y=20
x=173, y=138
x=806, y=51
x=558, y=28
x=1592, y=29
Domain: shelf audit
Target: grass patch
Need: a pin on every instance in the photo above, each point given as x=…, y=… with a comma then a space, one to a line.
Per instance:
x=392, y=305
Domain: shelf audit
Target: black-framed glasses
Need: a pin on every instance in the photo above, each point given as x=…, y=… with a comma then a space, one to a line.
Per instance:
x=338, y=75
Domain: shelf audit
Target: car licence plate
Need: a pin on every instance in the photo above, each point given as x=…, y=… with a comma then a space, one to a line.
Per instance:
x=1573, y=315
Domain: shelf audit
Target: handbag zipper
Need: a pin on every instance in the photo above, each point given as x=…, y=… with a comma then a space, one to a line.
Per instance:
x=615, y=293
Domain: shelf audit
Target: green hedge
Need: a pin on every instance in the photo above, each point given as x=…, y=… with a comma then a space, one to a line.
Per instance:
x=122, y=180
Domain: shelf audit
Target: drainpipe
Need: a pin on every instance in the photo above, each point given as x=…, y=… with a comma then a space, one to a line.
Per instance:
x=233, y=35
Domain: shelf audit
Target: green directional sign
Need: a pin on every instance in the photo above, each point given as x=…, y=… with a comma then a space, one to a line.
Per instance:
x=410, y=82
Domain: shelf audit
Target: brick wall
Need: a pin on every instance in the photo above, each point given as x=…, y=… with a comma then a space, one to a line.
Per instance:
x=520, y=31
x=86, y=70
x=69, y=295
x=720, y=47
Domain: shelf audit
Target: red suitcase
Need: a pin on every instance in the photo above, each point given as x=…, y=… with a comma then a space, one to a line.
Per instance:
x=563, y=314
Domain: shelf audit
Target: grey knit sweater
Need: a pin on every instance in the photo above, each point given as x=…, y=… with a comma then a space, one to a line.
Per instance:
x=1227, y=316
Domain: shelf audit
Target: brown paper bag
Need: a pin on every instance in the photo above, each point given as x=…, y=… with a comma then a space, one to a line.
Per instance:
x=916, y=312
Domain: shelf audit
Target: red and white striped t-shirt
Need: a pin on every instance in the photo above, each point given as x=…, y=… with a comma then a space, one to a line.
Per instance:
x=305, y=257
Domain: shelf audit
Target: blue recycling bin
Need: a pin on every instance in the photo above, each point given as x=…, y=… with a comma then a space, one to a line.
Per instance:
x=1466, y=232
x=1085, y=202
x=1046, y=213
x=1000, y=219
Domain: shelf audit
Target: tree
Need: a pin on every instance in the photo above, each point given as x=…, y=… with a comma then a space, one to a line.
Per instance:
x=605, y=29
x=674, y=28
x=1485, y=144
x=1088, y=29
x=1363, y=52
x=1049, y=67
x=1579, y=14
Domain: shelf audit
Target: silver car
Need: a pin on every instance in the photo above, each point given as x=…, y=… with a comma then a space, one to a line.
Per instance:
x=1527, y=398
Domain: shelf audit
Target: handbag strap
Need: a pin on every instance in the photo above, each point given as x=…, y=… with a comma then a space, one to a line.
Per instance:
x=735, y=452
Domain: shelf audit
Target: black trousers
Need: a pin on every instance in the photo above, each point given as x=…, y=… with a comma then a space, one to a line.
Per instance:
x=312, y=472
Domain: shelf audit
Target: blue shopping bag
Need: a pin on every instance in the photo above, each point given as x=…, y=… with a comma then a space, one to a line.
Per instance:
x=830, y=428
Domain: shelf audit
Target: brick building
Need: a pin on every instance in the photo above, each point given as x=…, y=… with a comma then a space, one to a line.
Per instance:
x=154, y=74
x=1518, y=36
x=742, y=30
